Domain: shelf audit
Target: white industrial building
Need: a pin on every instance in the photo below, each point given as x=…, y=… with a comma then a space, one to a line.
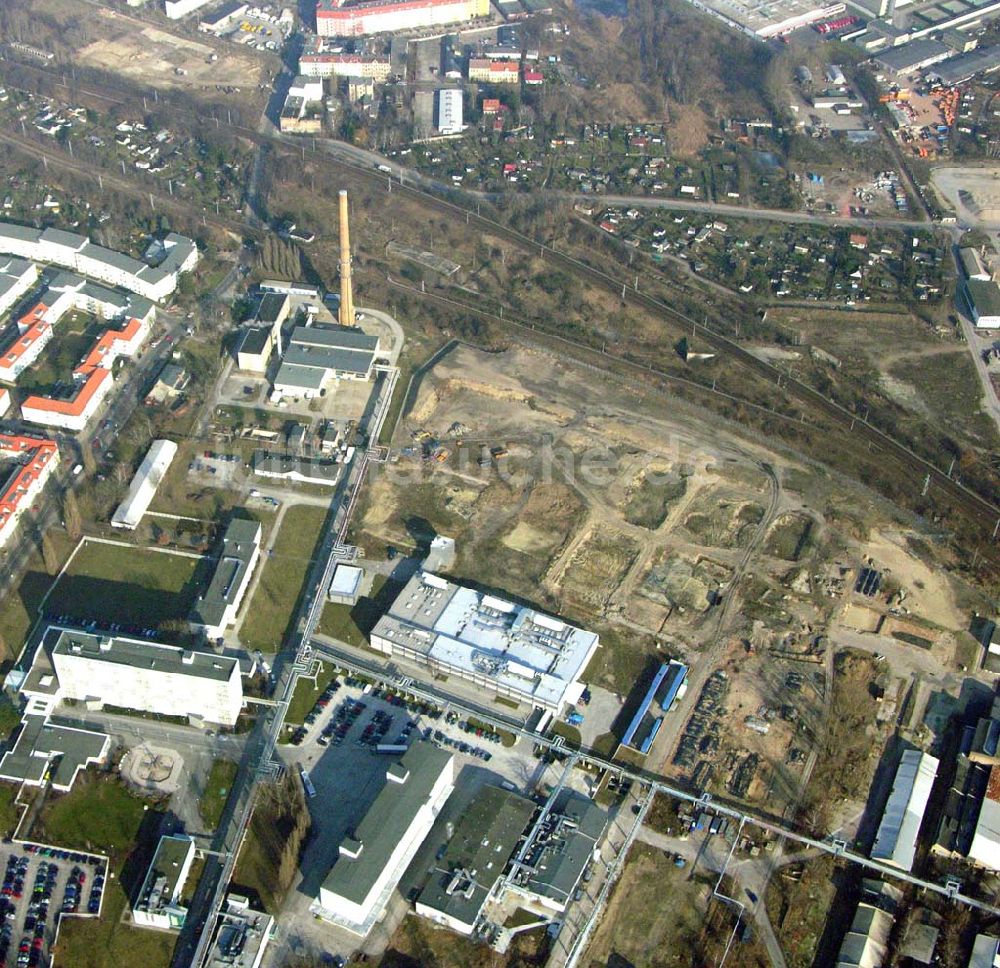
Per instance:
x=896, y=840
x=449, y=106
x=112, y=670
x=985, y=849
x=218, y=607
x=507, y=649
x=984, y=303
x=158, y=904
x=321, y=354
x=176, y=9
x=243, y=935
x=144, y=484
x=380, y=848
x=175, y=254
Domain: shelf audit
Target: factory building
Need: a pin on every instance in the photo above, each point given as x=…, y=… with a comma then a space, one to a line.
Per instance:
x=896, y=840
x=560, y=853
x=374, y=856
x=217, y=608
x=359, y=18
x=174, y=254
x=449, y=111
x=144, y=485
x=243, y=935
x=26, y=464
x=176, y=9
x=475, y=859
x=958, y=70
x=509, y=650
x=912, y=57
x=158, y=904
x=345, y=65
x=261, y=336
x=112, y=670
x=984, y=303
x=321, y=354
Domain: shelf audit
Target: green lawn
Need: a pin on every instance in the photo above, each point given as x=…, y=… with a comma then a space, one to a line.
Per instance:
x=9, y=813
x=213, y=801
x=271, y=610
x=99, y=813
x=134, y=586
x=353, y=623
x=306, y=693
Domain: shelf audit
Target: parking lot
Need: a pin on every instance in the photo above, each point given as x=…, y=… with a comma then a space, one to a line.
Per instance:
x=339, y=750
x=40, y=883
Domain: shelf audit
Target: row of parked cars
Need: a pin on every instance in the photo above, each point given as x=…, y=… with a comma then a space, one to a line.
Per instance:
x=338, y=727
x=444, y=739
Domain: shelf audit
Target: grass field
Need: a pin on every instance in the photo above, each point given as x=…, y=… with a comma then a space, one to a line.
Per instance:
x=799, y=909
x=306, y=693
x=273, y=605
x=101, y=814
x=353, y=623
x=132, y=586
x=9, y=813
x=213, y=801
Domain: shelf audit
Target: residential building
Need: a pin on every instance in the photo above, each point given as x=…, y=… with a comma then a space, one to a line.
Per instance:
x=357, y=18
x=26, y=464
x=449, y=108
x=74, y=411
x=475, y=859
x=218, y=607
x=176, y=254
x=307, y=88
x=985, y=849
x=375, y=855
x=17, y=276
x=494, y=72
x=242, y=937
x=359, y=88
x=113, y=670
x=159, y=902
x=959, y=70
x=5, y=401
x=345, y=65
x=45, y=753
x=896, y=840
x=319, y=354
x=984, y=303
x=507, y=649
x=170, y=384
x=144, y=484
x=559, y=855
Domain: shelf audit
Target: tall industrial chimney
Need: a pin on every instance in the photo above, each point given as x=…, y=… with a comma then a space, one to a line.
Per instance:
x=346, y=292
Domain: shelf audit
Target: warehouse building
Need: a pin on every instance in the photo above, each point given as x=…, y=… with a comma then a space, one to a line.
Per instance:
x=896, y=840
x=375, y=855
x=217, y=608
x=866, y=943
x=176, y=9
x=972, y=265
x=912, y=57
x=112, y=670
x=359, y=18
x=985, y=849
x=560, y=853
x=321, y=354
x=174, y=254
x=26, y=464
x=243, y=935
x=963, y=68
x=224, y=17
x=324, y=471
x=45, y=753
x=158, y=904
x=475, y=859
x=507, y=649
x=984, y=303
x=669, y=684
x=144, y=485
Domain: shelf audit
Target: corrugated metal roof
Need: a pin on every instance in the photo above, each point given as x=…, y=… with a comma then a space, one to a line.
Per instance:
x=896, y=841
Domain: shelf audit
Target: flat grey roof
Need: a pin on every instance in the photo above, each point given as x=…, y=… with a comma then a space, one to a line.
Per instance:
x=62, y=237
x=961, y=68
x=341, y=360
x=239, y=543
x=142, y=655
x=270, y=307
x=909, y=55
x=254, y=339
x=483, y=842
x=39, y=742
x=168, y=862
x=562, y=859
x=303, y=377
x=386, y=822
x=333, y=337
x=266, y=462
x=985, y=296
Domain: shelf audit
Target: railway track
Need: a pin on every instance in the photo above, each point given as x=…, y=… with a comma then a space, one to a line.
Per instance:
x=983, y=511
